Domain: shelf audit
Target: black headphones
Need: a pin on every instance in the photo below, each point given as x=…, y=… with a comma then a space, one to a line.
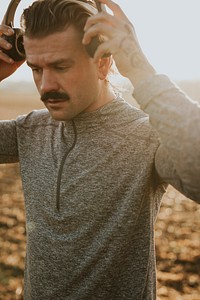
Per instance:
x=17, y=52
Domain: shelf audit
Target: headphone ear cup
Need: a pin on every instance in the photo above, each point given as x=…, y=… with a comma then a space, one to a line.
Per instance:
x=17, y=52
x=93, y=45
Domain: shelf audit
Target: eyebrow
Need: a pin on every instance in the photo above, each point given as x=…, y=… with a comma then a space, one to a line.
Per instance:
x=54, y=63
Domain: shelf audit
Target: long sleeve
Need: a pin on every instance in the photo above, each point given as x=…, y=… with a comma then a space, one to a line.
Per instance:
x=8, y=142
x=176, y=118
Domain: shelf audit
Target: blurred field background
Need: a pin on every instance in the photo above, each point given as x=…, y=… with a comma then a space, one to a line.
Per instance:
x=177, y=228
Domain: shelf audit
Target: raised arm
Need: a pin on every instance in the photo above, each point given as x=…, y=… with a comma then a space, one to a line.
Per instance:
x=172, y=113
x=121, y=41
x=7, y=65
x=8, y=134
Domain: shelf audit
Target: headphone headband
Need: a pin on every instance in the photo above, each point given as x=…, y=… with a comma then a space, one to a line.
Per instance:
x=10, y=12
x=17, y=51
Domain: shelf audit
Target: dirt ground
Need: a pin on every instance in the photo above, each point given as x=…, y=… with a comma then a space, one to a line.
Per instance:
x=177, y=242
x=177, y=233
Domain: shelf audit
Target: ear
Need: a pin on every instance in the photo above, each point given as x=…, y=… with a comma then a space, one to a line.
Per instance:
x=104, y=65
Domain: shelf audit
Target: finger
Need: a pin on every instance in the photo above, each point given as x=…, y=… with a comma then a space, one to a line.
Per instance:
x=98, y=29
x=7, y=30
x=106, y=18
x=102, y=17
x=101, y=50
x=115, y=8
x=105, y=25
x=4, y=57
x=4, y=44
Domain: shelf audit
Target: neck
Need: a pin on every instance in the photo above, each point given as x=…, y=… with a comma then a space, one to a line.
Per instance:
x=106, y=94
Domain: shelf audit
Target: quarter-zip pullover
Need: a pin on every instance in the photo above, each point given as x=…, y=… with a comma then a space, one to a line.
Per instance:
x=92, y=194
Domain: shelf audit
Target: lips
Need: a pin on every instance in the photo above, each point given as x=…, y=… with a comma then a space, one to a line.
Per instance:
x=55, y=104
x=55, y=100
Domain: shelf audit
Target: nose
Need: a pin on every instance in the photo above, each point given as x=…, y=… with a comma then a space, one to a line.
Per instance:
x=48, y=82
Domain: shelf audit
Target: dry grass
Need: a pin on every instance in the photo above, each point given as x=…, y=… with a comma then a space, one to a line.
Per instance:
x=14, y=101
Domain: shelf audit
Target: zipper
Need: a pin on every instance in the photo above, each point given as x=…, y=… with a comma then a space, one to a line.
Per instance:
x=60, y=171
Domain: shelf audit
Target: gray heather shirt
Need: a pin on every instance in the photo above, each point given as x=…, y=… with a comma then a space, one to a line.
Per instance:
x=176, y=118
x=92, y=194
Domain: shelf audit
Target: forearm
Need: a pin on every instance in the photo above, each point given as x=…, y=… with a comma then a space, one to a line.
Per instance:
x=175, y=117
x=177, y=120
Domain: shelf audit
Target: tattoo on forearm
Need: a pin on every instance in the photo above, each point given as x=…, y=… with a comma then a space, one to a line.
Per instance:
x=133, y=51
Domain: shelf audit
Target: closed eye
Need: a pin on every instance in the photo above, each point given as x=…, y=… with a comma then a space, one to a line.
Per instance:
x=62, y=68
x=36, y=71
x=34, y=68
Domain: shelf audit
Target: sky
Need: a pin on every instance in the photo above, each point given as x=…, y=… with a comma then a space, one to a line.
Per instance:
x=168, y=32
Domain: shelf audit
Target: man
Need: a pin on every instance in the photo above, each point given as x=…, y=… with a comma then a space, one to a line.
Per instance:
x=93, y=168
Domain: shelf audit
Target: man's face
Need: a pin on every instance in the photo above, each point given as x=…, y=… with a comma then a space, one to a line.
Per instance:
x=66, y=77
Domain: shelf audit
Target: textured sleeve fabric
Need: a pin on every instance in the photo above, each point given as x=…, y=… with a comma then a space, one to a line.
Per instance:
x=8, y=142
x=176, y=118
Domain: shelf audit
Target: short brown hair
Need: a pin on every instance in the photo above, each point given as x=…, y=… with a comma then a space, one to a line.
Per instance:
x=45, y=17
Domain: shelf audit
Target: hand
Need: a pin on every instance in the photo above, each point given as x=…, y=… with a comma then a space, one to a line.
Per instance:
x=120, y=40
x=7, y=65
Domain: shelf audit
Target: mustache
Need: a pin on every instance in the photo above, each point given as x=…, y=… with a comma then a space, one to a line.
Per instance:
x=54, y=95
